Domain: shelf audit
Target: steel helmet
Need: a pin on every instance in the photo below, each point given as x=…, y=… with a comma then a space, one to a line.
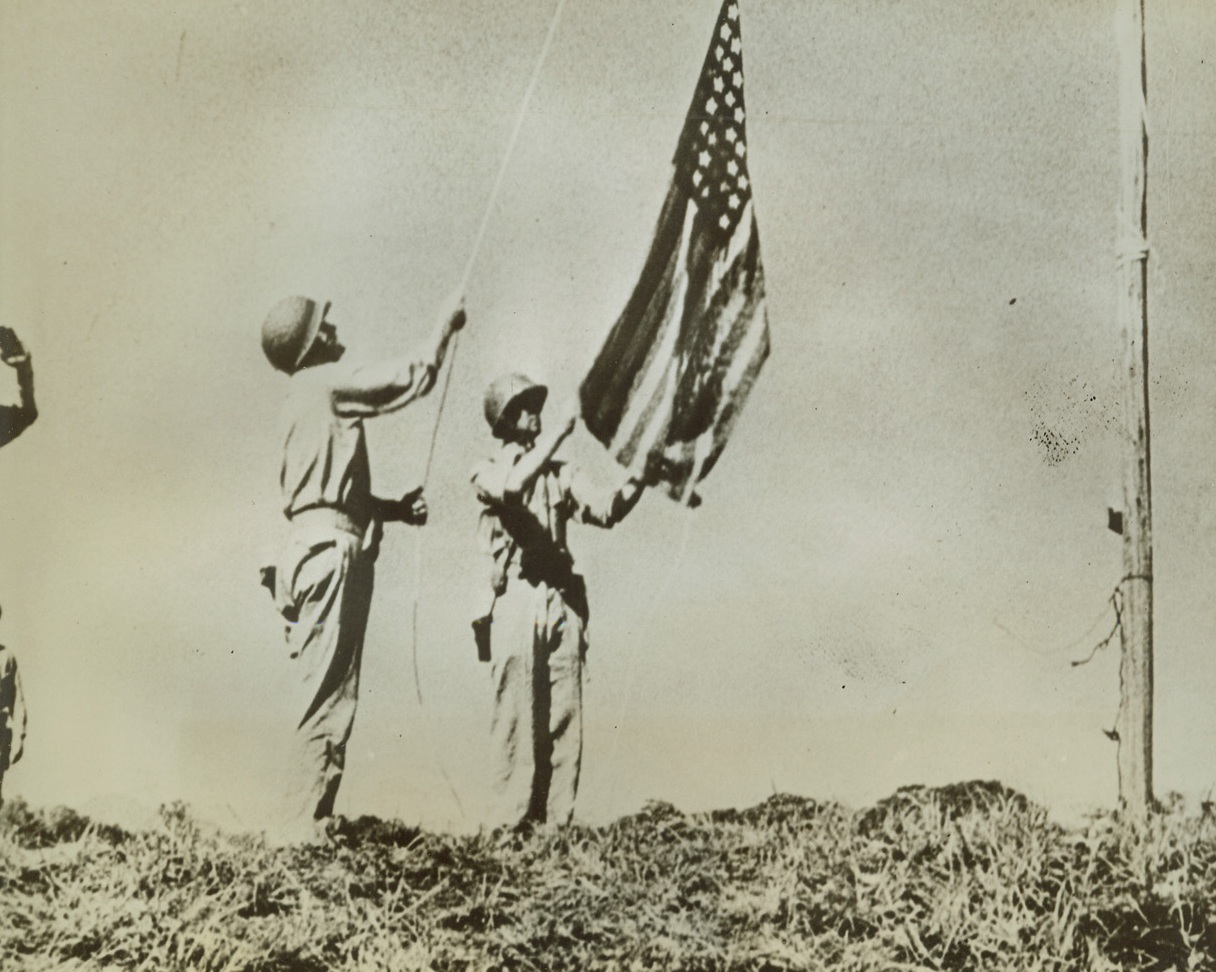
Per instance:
x=510, y=388
x=290, y=329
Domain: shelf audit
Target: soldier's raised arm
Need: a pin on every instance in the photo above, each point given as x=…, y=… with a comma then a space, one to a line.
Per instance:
x=599, y=506
x=380, y=387
x=15, y=419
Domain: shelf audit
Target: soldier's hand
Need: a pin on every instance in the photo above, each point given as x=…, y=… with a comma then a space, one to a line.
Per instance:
x=568, y=420
x=413, y=508
x=645, y=470
x=639, y=474
x=652, y=468
x=12, y=351
x=454, y=314
x=559, y=432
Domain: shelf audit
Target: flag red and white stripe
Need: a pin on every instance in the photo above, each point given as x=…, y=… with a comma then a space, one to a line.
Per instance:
x=679, y=362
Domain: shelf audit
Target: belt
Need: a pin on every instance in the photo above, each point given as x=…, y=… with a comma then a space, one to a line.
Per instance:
x=327, y=516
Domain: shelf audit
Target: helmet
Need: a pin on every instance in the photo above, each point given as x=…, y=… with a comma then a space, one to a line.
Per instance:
x=290, y=329
x=510, y=388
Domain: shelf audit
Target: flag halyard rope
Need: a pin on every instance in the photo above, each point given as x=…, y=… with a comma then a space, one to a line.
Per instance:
x=454, y=344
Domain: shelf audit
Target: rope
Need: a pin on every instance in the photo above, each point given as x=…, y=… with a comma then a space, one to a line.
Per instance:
x=451, y=357
x=519, y=121
x=1116, y=602
x=485, y=222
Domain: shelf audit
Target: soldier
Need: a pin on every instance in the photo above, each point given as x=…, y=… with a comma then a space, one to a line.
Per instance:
x=323, y=581
x=12, y=714
x=15, y=419
x=539, y=611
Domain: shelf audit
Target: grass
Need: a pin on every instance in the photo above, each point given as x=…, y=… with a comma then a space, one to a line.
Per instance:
x=966, y=877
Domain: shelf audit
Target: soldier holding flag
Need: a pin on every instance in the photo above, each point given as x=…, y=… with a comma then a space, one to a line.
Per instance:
x=536, y=630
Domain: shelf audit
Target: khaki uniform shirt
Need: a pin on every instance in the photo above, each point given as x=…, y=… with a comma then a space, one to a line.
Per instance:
x=325, y=460
x=535, y=524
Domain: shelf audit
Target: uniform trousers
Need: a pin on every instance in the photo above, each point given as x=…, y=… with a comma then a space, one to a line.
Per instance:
x=538, y=647
x=324, y=591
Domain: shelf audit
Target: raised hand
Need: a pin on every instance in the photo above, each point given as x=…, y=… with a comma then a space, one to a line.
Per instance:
x=413, y=508
x=12, y=351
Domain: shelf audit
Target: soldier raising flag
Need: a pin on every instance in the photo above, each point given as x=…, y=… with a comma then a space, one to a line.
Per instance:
x=663, y=395
x=323, y=581
x=536, y=629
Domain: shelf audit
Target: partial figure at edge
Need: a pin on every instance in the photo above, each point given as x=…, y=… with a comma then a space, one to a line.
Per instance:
x=15, y=419
x=12, y=714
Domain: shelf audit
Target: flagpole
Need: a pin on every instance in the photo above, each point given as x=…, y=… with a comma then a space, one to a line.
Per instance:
x=1135, y=722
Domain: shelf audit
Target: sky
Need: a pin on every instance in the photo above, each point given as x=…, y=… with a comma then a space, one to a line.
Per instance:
x=904, y=546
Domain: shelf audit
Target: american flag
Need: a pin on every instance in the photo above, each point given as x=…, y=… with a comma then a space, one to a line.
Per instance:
x=679, y=362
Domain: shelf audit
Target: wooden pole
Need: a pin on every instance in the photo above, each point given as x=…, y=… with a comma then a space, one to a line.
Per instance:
x=1135, y=725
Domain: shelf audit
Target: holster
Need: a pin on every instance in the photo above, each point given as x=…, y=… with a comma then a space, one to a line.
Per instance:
x=574, y=590
x=481, y=636
x=540, y=561
x=481, y=625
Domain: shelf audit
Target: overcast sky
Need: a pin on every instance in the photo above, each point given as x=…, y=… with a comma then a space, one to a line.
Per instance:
x=904, y=545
